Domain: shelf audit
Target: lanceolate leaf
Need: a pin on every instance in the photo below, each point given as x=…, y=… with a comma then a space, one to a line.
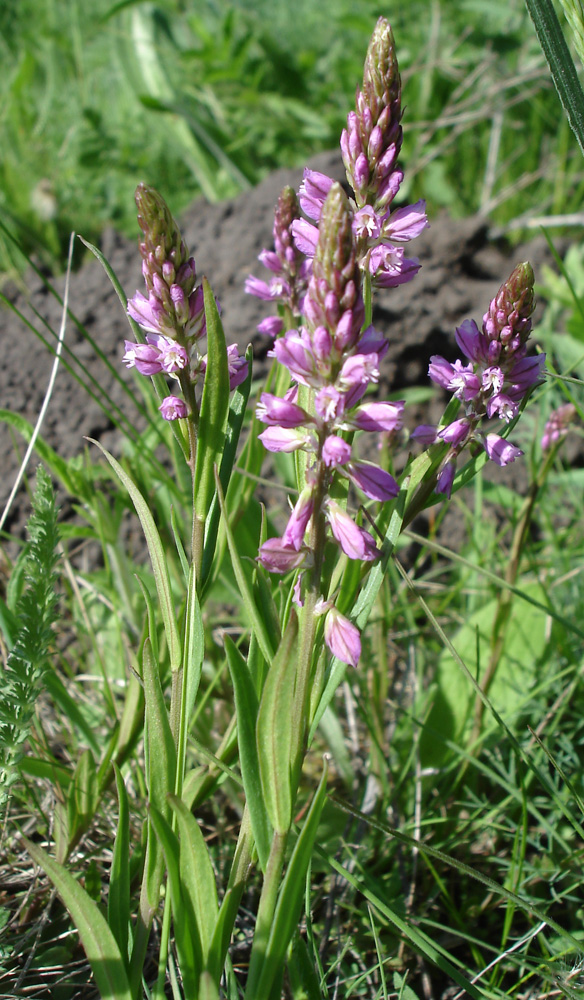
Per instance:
x=118, y=902
x=234, y=425
x=187, y=942
x=97, y=939
x=157, y=558
x=197, y=875
x=274, y=731
x=214, y=407
x=289, y=903
x=246, y=706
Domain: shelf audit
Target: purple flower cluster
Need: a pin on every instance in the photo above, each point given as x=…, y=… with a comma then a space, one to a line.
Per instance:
x=289, y=268
x=336, y=362
x=494, y=379
x=173, y=314
x=370, y=146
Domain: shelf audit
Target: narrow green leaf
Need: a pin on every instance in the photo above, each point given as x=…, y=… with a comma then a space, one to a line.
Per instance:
x=97, y=939
x=160, y=768
x=85, y=790
x=246, y=707
x=157, y=558
x=47, y=770
x=289, y=903
x=160, y=748
x=187, y=942
x=70, y=709
x=234, y=424
x=274, y=731
x=263, y=636
x=193, y=651
x=214, y=407
x=197, y=875
x=207, y=988
x=560, y=62
x=118, y=901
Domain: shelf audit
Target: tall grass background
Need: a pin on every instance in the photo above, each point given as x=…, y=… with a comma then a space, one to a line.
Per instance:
x=445, y=845
x=208, y=98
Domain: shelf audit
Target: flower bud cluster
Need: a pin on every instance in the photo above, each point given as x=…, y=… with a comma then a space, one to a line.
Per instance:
x=336, y=362
x=372, y=140
x=173, y=313
x=495, y=378
x=370, y=146
x=288, y=265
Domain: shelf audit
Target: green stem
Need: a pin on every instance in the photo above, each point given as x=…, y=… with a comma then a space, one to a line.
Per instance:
x=266, y=910
x=506, y=596
x=367, y=298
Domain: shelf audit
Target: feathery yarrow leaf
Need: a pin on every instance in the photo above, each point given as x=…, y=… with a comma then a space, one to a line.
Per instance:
x=21, y=677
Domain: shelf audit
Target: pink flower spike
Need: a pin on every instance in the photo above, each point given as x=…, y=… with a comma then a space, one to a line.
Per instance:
x=277, y=557
x=279, y=412
x=354, y=541
x=173, y=408
x=499, y=450
x=379, y=416
x=342, y=637
x=283, y=439
x=376, y=483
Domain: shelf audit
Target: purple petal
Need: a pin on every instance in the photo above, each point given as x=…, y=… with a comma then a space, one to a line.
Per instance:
x=376, y=483
x=342, y=637
x=499, y=450
x=354, y=541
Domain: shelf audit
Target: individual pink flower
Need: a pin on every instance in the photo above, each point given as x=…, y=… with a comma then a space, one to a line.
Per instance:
x=355, y=542
x=277, y=557
x=342, y=637
x=499, y=450
x=173, y=408
x=375, y=482
x=378, y=416
x=275, y=411
x=335, y=451
x=284, y=439
x=296, y=528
